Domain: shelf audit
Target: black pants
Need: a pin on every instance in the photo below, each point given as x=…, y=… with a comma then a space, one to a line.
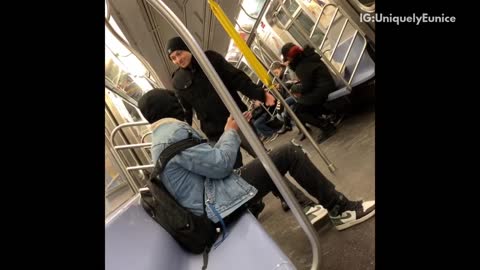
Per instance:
x=244, y=143
x=299, y=195
x=311, y=114
x=292, y=159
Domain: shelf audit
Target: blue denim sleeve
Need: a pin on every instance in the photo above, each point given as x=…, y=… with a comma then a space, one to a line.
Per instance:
x=214, y=162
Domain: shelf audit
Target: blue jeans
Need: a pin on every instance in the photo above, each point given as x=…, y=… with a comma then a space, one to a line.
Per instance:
x=261, y=125
x=290, y=102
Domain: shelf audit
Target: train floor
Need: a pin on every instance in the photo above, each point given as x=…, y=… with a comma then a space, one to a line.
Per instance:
x=352, y=151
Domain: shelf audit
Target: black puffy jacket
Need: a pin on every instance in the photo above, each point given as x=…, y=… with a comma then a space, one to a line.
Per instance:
x=194, y=90
x=317, y=82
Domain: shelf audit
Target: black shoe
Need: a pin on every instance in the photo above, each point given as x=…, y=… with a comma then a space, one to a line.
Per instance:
x=257, y=208
x=336, y=118
x=284, y=129
x=303, y=136
x=285, y=206
x=325, y=135
x=327, y=131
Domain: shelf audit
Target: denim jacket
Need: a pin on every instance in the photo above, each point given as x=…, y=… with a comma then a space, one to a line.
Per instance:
x=201, y=167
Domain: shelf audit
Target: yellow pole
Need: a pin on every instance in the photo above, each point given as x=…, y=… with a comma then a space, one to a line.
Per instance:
x=242, y=46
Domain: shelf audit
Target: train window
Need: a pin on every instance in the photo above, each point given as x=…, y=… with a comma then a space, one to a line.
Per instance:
x=245, y=21
x=112, y=71
x=120, y=105
x=136, y=117
x=307, y=24
x=117, y=112
x=128, y=113
x=253, y=7
x=297, y=35
x=122, y=67
x=303, y=25
x=291, y=6
x=305, y=21
x=283, y=18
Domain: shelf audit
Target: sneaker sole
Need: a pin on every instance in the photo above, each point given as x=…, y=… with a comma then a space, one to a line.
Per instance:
x=355, y=222
x=318, y=218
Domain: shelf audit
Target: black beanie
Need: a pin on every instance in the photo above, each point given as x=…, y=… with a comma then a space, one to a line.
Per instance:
x=176, y=43
x=160, y=103
x=285, y=50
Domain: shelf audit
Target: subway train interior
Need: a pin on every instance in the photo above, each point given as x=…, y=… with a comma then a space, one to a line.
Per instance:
x=137, y=61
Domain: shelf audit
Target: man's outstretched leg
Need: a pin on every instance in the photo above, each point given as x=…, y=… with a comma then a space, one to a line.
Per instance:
x=343, y=212
x=313, y=211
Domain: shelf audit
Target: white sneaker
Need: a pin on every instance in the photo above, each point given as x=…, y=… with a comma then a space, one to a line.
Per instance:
x=357, y=213
x=315, y=213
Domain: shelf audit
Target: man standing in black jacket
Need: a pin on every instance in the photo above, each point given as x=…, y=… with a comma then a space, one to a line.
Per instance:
x=195, y=91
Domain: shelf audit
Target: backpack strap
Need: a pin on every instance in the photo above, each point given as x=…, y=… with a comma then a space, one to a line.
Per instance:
x=205, y=258
x=172, y=150
x=167, y=154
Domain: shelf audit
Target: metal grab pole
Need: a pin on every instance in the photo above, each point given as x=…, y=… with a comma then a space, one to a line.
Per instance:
x=141, y=167
x=252, y=35
x=144, y=136
x=124, y=125
x=132, y=146
x=131, y=183
x=300, y=125
x=219, y=86
x=253, y=32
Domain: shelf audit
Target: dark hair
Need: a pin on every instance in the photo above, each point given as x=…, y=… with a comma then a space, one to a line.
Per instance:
x=285, y=49
x=277, y=65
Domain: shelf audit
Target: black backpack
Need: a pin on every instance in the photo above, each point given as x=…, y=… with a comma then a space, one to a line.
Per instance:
x=196, y=234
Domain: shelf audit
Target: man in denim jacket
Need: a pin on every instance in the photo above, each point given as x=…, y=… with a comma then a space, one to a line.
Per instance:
x=205, y=168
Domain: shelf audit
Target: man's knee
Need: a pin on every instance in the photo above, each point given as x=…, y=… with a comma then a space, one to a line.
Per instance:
x=291, y=150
